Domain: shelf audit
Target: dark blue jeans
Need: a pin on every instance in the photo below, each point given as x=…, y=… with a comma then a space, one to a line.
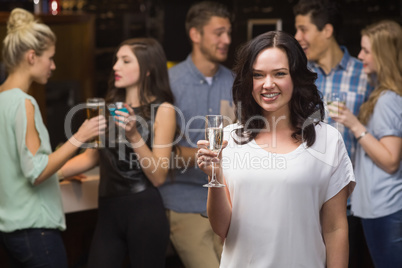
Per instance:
x=384, y=240
x=35, y=248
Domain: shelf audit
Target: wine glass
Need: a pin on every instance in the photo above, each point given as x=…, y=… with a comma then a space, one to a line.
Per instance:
x=214, y=134
x=113, y=107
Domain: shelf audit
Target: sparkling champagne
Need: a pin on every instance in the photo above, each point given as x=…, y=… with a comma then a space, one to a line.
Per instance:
x=215, y=137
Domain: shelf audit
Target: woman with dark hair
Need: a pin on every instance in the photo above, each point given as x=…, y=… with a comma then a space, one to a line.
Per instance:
x=131, y=217
x=287, y=173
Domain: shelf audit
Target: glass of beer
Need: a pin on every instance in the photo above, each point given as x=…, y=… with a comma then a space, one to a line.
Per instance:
x=95, y=107
x=334, y=98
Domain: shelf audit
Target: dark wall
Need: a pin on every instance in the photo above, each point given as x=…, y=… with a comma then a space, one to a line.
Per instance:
x=176, y=43
x=357, y=14
x=117, y=20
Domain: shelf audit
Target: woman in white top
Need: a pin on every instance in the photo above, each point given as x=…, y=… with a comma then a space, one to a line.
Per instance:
x=287, y=173
x=378, y=130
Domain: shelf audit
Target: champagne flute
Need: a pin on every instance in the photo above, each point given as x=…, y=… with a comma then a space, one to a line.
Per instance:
x=214, y=134
x=95, y=107
x=118, y=106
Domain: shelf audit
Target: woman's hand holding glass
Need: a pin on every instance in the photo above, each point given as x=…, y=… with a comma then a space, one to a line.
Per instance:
x=127, y=121
x=208, y=161
x=91, y=128
x=113, y=107
x=341, y=114
x=336, y=101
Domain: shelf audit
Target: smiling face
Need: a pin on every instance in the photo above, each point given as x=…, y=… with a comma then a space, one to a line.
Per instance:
x=214, y=39
x=44, y=65
x=272, y=83
x=366, y=56
x=126, y=69
x=313, y=41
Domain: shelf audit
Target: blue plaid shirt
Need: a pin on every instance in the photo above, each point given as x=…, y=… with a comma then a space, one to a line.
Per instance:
x=347, y=76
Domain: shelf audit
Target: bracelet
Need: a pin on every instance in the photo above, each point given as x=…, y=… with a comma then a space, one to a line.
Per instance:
x=60, y=175
x=362, y=135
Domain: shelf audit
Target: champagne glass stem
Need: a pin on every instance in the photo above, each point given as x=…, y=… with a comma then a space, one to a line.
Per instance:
x=213, y=173
x=214, y=182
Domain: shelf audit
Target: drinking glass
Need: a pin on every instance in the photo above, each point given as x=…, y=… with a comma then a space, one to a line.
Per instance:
x=335, y=97
x=214, y=134
x=113, y=107
x=338, y=97
x=95, y=107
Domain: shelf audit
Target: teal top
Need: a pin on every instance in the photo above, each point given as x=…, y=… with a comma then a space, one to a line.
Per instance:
x=23, y=205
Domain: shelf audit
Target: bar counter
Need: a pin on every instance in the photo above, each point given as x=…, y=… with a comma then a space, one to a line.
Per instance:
x=81, y=195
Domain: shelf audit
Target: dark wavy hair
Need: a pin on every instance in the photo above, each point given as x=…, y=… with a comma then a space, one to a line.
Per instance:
x=306, y=106
x=153, y=78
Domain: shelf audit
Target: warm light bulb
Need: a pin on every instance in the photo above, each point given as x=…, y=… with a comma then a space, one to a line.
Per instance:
x=54, y=7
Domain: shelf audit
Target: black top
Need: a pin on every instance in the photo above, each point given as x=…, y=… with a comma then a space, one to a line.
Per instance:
x=120, y=170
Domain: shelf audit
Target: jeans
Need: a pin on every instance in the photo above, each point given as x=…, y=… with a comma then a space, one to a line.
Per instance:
x=384, y=240
x=35, y=248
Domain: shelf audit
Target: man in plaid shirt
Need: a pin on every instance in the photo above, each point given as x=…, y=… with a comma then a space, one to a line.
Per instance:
x=317, y=30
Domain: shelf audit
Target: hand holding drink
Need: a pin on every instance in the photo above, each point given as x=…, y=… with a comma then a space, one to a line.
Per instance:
x=336, y=102
x=214, y=135
x=118, y=106
x=90, y=129
x=338, y=111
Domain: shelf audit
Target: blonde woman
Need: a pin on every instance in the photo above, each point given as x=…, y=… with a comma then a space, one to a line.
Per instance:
x=31, y=213
x=377, y=198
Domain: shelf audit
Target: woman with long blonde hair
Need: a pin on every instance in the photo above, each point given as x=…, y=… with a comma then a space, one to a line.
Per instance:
x=31, y=211
x=377, y=198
